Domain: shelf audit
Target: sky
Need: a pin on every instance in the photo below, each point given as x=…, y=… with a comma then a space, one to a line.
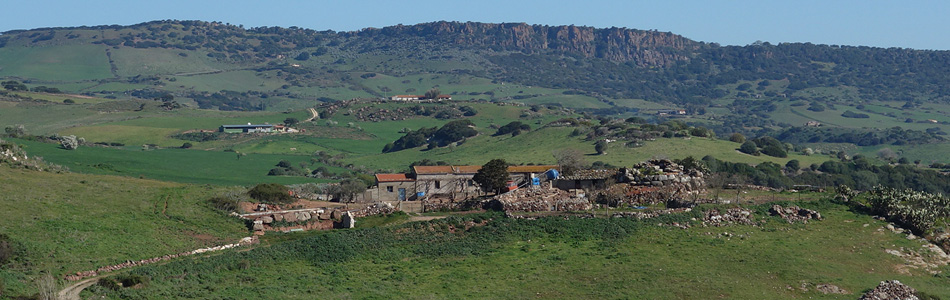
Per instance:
x=878, y=23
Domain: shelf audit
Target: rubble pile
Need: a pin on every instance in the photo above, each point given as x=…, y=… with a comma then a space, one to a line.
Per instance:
x=134, y=263
x=732, y=216
x=794, y=214
x=648, y=214
x=662, y=172
x=381, y=208
x=891, y=290
x=540, y=199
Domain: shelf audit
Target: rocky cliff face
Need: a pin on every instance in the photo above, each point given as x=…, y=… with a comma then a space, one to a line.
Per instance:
x=646, y=48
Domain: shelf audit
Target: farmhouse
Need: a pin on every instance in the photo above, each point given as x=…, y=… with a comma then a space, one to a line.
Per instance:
x=664, y=112
x=249, y=128
x=417, y=97
x=446, y=181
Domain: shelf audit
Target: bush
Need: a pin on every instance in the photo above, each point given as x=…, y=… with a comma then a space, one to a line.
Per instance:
x=774, y=151
x=132, y=280
x=186, y=145
x=224, y=203
x=749, y=148
x=108, y=284
x=271, y=193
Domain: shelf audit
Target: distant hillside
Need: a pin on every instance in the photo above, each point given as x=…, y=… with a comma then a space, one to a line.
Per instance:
x=606, y=71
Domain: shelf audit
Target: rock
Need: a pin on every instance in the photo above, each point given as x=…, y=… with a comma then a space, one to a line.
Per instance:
x=267, y=220
x=303, y=216
x=336, y=215
x=324, y=216
x=290, y=217
x=258, y=225
x=278, y=217
x=831, y=289
x=891, y=289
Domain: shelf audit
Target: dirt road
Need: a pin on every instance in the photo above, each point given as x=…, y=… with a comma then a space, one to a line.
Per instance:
x=71, y=292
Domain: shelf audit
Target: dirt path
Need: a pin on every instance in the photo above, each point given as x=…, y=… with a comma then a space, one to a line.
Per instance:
x=72, y=292
x=313, y=115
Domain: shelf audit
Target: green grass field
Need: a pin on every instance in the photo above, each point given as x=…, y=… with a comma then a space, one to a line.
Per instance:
x=65, y=63
x=64, y=223
x=179, y=165
x=557, y=258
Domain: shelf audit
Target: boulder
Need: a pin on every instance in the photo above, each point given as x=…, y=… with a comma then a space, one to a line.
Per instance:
x=324, y=216
x=290, y=217
x=278, y=217
x=303, y=216
x=267, y=220
x=336, y=215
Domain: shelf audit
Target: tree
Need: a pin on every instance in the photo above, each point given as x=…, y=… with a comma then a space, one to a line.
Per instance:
x=291, y=121
x=749, y=148
x=433, y=93
x=303, y=56
x=601, y=147
x=793, y=165
x=348, y=189
x=493, y=176
x=570, y=160
x=737, y=138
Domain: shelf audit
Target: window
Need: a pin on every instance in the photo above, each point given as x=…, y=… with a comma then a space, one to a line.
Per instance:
x=438, y=184
x=389, y=189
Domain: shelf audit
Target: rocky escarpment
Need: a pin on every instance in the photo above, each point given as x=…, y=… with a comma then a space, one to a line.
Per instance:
x=645, y=48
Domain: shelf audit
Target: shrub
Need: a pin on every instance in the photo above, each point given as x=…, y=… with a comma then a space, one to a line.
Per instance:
x=224, y=203
x=108, y=284
x=132, y=280
x=749, y=148
x=271, y=193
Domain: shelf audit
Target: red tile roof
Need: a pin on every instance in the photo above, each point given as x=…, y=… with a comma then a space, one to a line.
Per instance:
x=430, y=170
x=393, y=177
x=532, y=169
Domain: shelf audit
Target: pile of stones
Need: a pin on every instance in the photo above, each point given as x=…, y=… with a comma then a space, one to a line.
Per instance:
x=732, y=216
x=662, y=172
x=794, y=214
x=891, y=290
x=540, y=199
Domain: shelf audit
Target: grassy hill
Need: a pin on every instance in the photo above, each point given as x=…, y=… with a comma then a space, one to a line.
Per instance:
x=556, y=258
x=64, y=223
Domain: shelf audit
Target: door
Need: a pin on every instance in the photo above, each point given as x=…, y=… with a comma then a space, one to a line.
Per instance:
x=402, y=194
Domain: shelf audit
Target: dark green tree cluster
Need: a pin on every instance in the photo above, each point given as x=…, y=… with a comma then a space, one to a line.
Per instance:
x=451, y=132
x=514, y=128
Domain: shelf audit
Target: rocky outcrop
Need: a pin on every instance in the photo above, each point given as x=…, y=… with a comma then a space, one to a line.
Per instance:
x=645, y=48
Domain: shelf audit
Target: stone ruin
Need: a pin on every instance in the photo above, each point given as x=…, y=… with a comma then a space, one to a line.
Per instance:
x=315, y=218
x=662, y=172
x=535, y=199
x=794, y=214
x=653, y=182
x=891, y=290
